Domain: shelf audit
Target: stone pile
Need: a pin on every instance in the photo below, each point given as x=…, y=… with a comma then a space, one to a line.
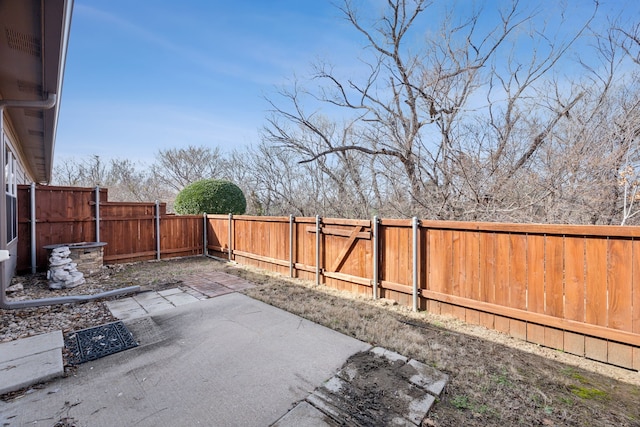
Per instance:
x=63, y=272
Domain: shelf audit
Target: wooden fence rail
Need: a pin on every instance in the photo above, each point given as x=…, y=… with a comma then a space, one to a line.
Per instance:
x=573, y=288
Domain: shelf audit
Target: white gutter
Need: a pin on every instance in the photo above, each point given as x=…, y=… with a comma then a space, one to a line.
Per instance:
x=68, y=13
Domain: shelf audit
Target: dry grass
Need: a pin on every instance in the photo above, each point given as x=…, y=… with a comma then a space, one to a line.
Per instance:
x=491, y=383
x=495, y=379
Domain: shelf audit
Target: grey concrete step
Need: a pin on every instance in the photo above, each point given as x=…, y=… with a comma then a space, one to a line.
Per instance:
x=28, y=361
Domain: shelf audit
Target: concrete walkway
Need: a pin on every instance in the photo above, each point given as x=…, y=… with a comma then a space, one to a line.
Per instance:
x=30, y=360
x=222, y=361
x=196, y=288
x=152, y=302
x=36, y=359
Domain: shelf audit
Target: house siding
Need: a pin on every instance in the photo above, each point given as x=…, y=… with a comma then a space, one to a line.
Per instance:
x=22, y=177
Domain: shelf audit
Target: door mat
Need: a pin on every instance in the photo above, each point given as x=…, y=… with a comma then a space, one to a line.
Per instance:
x=93, y=343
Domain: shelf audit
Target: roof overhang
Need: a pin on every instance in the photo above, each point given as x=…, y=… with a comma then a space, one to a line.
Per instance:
x=34, y=37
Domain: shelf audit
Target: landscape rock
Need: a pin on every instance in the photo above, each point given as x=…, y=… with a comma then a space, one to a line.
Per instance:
x=63, y=272
x=63, y=251
x=18, y=287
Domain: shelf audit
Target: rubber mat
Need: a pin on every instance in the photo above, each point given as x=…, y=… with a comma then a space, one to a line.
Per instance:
x=93, y=343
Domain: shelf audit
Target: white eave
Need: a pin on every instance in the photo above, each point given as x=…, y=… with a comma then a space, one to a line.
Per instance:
x=34, y=37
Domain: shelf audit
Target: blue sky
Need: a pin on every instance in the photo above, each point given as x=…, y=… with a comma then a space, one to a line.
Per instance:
x=146, y=75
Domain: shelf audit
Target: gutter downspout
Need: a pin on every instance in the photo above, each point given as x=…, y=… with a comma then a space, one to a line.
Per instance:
x=40, y=104
x=44, y=104
x=32, y=195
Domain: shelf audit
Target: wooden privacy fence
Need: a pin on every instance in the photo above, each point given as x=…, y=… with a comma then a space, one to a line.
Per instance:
x=573, y=288
x=133, y=231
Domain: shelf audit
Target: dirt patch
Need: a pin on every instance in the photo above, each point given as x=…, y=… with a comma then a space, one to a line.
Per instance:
x=379, y=387
x=493, y=379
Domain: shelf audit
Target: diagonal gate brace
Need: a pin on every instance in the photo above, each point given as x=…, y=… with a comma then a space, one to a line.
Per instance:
x=346, y=249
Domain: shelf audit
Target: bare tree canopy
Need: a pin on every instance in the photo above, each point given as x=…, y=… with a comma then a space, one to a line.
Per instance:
x=126, y=180
x=179, y=167
x=470, y=113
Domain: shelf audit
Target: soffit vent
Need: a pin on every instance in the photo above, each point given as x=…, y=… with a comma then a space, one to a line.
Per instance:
x=23, y=42
x=36, y=133
x=38, y=114
x=29, y=87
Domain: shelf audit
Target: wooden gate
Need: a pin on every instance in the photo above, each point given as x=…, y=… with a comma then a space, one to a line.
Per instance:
x=346, y=253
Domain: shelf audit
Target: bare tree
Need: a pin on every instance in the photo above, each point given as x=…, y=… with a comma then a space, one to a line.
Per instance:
x=179, y=167
x=67, y=172
x=87, y=172
x=458, y=118
x=126, y=180
x=136, y=183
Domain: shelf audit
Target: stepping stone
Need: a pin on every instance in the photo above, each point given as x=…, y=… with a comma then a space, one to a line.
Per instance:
x=359, y=394
x=29, y=361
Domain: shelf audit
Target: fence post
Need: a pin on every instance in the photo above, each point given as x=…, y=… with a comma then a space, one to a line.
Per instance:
x=376, y=267
x=97, y=213
x=414, y=224
x=230, y=238
x=205, y=251
x=291, y=219
x=33, y=228
x=157, y=230
x=317, y=249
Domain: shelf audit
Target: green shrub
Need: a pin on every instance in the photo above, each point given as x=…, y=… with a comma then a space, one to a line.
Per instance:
x=213, y=196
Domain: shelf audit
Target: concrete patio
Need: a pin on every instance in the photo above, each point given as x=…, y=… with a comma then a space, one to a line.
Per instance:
x=228, y=360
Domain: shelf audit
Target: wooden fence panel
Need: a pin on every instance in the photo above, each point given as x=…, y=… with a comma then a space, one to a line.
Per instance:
x=389, y=238
x=503, y=253
x=488, y=267
x=181, y=236
x=358, y=261
x=472, y=266
x=574, y=305
x=635, y=291
x=619, y=284
x=121, y=210
x=458, y=253
x=263, y=244
x=129, y=230
x=68, y=215
x=129, y=239
x=440, y=262
x=518, y=271
x=396, y=270
x=347, y=254
x=218, y=235
x=64, y=215
x=535, y=273
x=305, y=250
x=241, y=237
x=554, y=276
x=596, y=289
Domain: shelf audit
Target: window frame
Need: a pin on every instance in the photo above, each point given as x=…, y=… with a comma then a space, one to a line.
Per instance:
x=11, y=190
